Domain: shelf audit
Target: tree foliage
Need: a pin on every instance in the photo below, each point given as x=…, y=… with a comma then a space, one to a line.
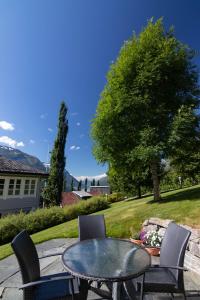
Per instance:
x=185, y=143
x=53, y=190
x=152, y=78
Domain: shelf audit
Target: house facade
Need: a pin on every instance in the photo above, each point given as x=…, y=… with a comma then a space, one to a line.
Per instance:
x=20, y=186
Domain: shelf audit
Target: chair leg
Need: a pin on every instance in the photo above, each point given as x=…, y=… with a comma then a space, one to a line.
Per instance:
x=172, y=295
x=142, y=287
x=184, y=295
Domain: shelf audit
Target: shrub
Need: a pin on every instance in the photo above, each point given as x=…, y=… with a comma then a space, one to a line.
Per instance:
x=47, y=217
x=115, y=197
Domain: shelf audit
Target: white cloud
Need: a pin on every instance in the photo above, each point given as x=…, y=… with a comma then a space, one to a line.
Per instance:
x=74, y=147
x=78, y=123
x=43, y=116
x=50, y=129
x=12, y=143
x=6, y=126
x=32, y=142
x=20, y=144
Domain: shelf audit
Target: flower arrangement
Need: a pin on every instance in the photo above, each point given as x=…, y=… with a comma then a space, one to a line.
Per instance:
x=153, y=238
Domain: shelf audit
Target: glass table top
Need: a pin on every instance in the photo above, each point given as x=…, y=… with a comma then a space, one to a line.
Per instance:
x=106, y=259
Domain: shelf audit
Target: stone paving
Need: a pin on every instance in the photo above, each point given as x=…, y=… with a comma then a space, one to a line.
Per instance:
x=10, y=278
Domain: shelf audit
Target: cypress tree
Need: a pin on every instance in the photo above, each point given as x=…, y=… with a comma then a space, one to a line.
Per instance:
x=79, y=185
x=72, y=184
x=53, y=190
x=86, y=184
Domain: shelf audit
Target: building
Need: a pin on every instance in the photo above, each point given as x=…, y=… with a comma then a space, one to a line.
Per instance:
x=20, y=186
x=100, y=190
x=74, y=197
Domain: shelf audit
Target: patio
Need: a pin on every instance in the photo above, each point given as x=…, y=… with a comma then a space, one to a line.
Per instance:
x=10, y=278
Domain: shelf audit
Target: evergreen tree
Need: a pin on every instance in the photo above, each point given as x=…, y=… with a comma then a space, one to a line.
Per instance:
x=80, y=185
x=72, y=184
x=152, y=78
x=86, y=184
x=93, y=182
x=53, y=190
x=64, y=183
x=98, y=183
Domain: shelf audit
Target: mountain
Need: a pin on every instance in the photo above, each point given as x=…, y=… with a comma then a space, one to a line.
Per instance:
x=17, y=155
x=68, y=178
x=103, y=179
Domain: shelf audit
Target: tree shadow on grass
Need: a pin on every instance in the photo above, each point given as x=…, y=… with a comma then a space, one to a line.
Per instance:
x=193, y=194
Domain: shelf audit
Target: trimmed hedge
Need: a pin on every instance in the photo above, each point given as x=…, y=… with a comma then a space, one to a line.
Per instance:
x=47, y=217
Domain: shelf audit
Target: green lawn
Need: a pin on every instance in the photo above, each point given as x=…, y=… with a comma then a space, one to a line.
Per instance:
x=183, y=206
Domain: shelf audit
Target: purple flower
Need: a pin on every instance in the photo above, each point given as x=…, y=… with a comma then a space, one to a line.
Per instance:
x=143, y=235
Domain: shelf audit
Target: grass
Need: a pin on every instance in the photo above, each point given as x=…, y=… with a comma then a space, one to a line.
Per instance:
x=183, y=206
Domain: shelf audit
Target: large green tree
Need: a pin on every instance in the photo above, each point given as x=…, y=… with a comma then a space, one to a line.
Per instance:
x=186, y=156
x=53, y=190
x=152, y=78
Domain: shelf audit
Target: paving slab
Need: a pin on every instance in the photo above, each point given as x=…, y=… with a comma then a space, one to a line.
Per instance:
x=10, y=277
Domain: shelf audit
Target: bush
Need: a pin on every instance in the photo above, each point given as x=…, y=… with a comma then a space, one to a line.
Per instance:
x=116, y=197
x=47, y=217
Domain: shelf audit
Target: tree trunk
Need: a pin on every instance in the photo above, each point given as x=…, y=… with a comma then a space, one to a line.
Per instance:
x=156, y=181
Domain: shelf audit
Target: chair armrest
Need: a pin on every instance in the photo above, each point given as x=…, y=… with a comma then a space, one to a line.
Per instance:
x=38, y=282
x=49, y=255
x=169, y=267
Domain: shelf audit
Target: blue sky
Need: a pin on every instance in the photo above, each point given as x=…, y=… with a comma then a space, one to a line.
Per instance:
x=61, y=50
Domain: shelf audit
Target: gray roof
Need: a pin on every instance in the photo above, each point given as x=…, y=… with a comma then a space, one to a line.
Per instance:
x=15, y=167
x=82, y=194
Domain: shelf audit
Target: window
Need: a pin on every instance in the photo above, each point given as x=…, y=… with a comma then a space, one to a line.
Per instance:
x=11, y=187
x=14, y=187
x=29, y=188
x=32, y=190
x=26, y=187
x=17, y=187
x=2, y=181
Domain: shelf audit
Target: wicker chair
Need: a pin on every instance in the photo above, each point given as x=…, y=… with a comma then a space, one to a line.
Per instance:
x=91, y=227
x=167, y=277
x=35, y=286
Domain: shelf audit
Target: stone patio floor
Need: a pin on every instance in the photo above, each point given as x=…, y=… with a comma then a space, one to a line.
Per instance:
x=10, y=278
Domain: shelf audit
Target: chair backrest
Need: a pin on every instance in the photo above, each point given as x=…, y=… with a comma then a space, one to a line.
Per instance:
x=27, y=257
x=173, y=249
x=91, y=227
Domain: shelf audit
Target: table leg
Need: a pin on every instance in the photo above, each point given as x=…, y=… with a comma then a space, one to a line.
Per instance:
x=116, y=290
x=130, y=290
x=84, y=286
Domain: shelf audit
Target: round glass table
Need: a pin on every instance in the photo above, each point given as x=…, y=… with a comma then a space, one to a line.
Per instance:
x=106, y=260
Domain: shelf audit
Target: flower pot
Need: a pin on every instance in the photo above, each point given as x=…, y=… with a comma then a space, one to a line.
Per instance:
x=153, y=251
x=138, y=242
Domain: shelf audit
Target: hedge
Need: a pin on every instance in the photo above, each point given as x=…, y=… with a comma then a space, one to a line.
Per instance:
x=116, y=197
x=47, y=217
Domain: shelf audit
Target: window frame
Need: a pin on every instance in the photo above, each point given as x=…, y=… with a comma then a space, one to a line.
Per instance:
x=18, y=186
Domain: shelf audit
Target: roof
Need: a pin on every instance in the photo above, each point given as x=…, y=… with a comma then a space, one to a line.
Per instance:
x=82, y=194
x=15, y=167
